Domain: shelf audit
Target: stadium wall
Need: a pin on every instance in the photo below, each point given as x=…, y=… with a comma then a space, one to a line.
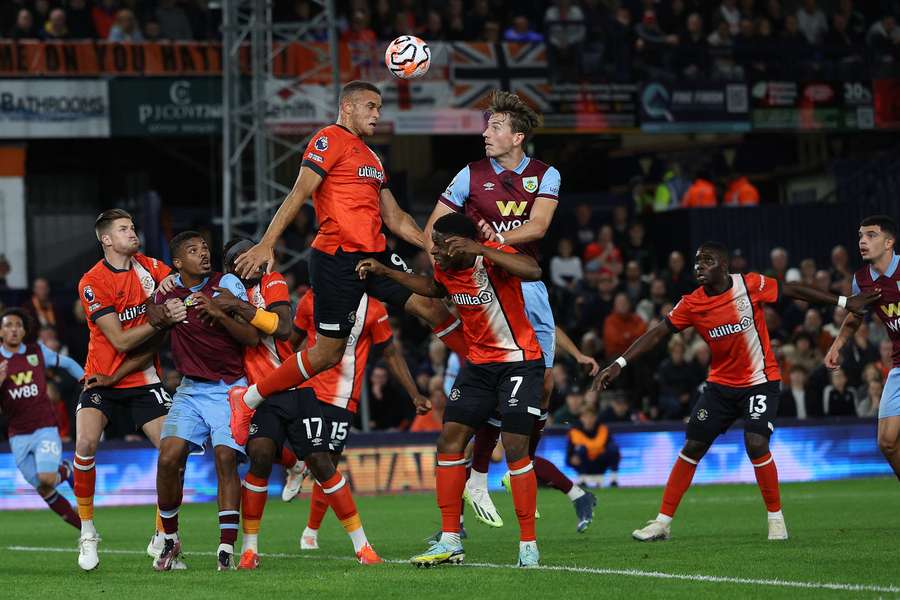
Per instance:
x=391, y=463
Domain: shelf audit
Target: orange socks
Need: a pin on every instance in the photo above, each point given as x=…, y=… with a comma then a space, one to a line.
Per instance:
x=524, y=492
x=318, y=506
x=289, y=374
x=451, y=480
x=254, y=493
x=678, y=483
x=341, y=501
x=767, y=480
x=85, y=480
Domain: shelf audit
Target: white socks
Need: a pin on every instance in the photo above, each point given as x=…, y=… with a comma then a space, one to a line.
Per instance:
x=358, y=537
x=478, y=480
x=664, y=519
x=87, y=529
x=775, y=516
x=252, y=398
x=249, y=542
x=307, y=532
x=575, y=493
x=451, y=539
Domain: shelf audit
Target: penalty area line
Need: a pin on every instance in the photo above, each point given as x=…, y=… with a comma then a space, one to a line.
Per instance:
x=698, y=578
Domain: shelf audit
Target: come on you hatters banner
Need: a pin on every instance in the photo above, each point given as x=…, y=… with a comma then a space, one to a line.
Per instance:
x=61, y=108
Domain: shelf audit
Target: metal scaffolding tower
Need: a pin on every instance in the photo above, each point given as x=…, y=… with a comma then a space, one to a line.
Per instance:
x=251, y=152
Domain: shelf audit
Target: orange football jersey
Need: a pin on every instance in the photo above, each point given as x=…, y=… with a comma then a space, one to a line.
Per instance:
x=271, y=291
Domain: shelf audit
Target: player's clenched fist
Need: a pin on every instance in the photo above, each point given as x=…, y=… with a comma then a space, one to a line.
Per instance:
x=606, y=376
x=422, y=404
x=370, y=265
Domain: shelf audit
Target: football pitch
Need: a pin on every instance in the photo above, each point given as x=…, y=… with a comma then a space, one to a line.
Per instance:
x=844, y=543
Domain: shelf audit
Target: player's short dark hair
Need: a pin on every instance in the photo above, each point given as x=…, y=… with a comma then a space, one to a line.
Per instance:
x=355, y=87
x=105, y=220
x=18, y=312
x=886, y=223
x=522, y=118
x=456, y=224
x=228, y=255
x=178, y=242
x=716, y=247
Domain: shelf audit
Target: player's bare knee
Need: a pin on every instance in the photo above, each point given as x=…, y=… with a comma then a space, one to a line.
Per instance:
x=226, y=460
x=757, y=445
x=168, y=463
x=261, y=457
x=515, y=446
x=694, y=449
x=85, y=446
x=452, y=440
x=320, y=465
x=46, y=483
x=887, y=444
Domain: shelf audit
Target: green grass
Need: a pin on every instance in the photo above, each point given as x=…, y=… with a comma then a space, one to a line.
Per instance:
x=843, y=532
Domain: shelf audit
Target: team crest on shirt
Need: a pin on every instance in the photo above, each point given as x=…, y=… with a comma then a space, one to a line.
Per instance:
x=322, y=143
x=480, y=277
x=33, y=360
x=88, y=293
x=148, y=284
x=742, y=304
x=530, y=184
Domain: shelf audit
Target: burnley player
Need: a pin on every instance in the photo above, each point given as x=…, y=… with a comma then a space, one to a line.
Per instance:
x=207, y=349
x=340, y=387
x=114, y=294
x=33, y=433
x=294, y=416
x=513, y=198
x=348, y=185
x=504, y=372
x=744, y=379
x=877, y=241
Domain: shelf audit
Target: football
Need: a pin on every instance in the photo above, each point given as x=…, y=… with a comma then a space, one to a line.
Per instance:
x=407, y=57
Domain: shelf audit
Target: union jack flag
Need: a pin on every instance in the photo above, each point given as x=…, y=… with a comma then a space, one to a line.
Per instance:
x=476, y=69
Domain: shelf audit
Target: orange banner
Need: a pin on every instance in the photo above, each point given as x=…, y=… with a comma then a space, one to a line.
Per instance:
x=390, y=469
x=88, y=58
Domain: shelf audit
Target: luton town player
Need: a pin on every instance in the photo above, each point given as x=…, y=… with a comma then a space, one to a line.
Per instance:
x=294, y=416
x=744, y=380
x=513, y=197
x=877, y=242
x=347, y=182
x=339, y=388
x=33, y=434
x=208, y=350
x=114, y=294
x=504, y=372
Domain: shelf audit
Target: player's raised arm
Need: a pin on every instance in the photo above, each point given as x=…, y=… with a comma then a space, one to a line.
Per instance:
x=848, y=330
x=440, y=209
x=399, y=221
x=263, y=253
x=424, y=286
x=565, y=343
x=275, y=322
x=643, y=344
x=855, y=304
x=519, y=265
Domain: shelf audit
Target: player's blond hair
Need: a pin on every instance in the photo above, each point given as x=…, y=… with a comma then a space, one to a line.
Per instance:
x=522, y=118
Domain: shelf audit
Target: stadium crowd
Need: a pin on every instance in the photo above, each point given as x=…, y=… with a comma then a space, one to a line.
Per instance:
x=607, y=286
x=621, y=39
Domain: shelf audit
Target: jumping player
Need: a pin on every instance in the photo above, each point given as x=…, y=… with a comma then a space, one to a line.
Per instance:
x=877, y=240
x=114, y=294
x=207, y=349
x=294, y=416
x=744, y=379
x=504, y=372
x=33, y=433
x=347, y=182
x=340, y=387
x=513, y=198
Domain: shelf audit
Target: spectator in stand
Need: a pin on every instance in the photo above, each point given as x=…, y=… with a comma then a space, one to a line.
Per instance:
x=803, y=352
x=702, y=193
x=480, y=13
x=741, y=192
x=565, y=268
x=152, y=32
x=677, y=380
x=778, y=264
x=678, y=279
x=738, y=262
x=811, y=22
x=521, y=31
x=808, y=271
x=434, y=27
x=653, y=44
x=433, y=420
x=812, y=325
x=840, y=46
x=633, y=285
x=55, y=28
x=41, y=10
x=841, y=274
x=490, y=33
x=832, y=328
x=620, y=225
x=383, y=18
x=104, y=16
x=40, y=305
x=173, y=21
x=766, y=46
x=568, y=413
x=691, y=59
x=860, y=355
x=839, y=399
x=793, y=399
x=621, y=327
x=730, y=14
x=774, y=13
x=885, y=358
x=585, y=229
x=594, y=300
x=455, y=21
x=620, y=40
x=650, y=307
x=566, y=33
x=617, y=410
x=637, y=247
x=79, y=20
x=856, y=21
x=603, y=253
x=591, y=450
x=390, y=408
x=359, y=34
x=673, y=19
x=126, y=28
x=795, y=49
x=23, y=30
x=867, y=405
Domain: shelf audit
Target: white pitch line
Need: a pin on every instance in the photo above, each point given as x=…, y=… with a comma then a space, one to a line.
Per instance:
x=813, y=585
